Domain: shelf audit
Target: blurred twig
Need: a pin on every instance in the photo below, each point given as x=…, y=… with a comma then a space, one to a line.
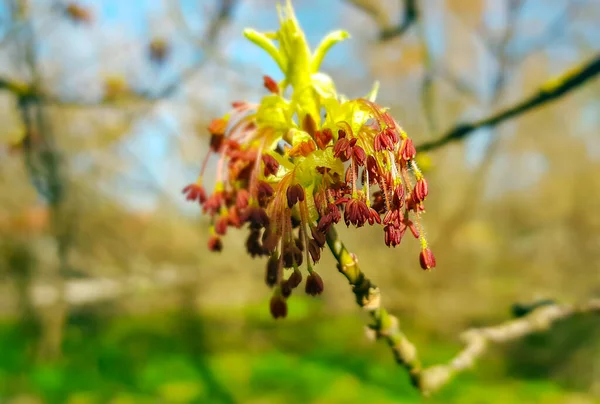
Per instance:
x=387, y=28
x=477, y=340
x=550, y=91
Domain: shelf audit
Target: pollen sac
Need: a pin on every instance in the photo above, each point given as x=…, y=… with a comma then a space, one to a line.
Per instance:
x=408, y=151
x=356, y=212
x=427, y=259
x=295, y=194
x=420, y=191
x=270, y=85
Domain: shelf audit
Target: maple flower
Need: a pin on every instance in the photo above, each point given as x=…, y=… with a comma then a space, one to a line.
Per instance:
x=289, y=172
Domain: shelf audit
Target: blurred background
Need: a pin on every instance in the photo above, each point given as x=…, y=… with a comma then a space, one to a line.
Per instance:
x=108, y=293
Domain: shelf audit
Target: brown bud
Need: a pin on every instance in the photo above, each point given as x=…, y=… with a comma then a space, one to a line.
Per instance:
x=314, y=250
x=286, y=289
x=253, y=245
x=295, y=279
x=215, y=244
x=272, y=270
x=314, y=284
x=294, y=193
x=318, y=237
x=271, y=165
x=257, y=217
x=265, y=192
x=278, y=306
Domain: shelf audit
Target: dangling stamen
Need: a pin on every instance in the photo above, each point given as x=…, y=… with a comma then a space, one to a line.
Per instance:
x=305, y=218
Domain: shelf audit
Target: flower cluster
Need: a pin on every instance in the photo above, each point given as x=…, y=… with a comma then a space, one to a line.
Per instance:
x=291, y=168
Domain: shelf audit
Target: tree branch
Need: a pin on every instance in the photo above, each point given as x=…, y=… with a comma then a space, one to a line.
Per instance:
x=550, y=91
x=477, y=340
x=387, y=28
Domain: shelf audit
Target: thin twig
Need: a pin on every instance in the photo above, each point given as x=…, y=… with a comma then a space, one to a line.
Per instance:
x=551, y=91
x=477, y=340
x=387, y=28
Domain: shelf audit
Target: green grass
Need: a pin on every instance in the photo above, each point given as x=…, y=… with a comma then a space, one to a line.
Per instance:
x=179, y=358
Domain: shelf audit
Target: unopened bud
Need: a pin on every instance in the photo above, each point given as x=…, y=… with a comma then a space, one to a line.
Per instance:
x=278, y=306
x=272, y=270
x=314, y=284
x=215, y=244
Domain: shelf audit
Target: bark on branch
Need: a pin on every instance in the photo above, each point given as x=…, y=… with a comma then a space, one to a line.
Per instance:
x=550, y=91
x=477, y=340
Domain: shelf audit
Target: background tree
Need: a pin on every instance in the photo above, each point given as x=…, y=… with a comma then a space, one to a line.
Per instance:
x=102, y=101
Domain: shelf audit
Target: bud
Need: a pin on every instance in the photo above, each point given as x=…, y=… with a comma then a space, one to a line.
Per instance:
x=253, y=245
x=265, y=191
x=242, y=198
x=294, y=193
x=278, y=306
x=318, y=237
x=257, y=217
x=356, y=212
x=271, y=274
x=195, y=192
x=427, y=259
x=314, y=284
x=271, y=165
x=286, y=289
x=215, y=244
x=295, y=279
x=314, y=250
